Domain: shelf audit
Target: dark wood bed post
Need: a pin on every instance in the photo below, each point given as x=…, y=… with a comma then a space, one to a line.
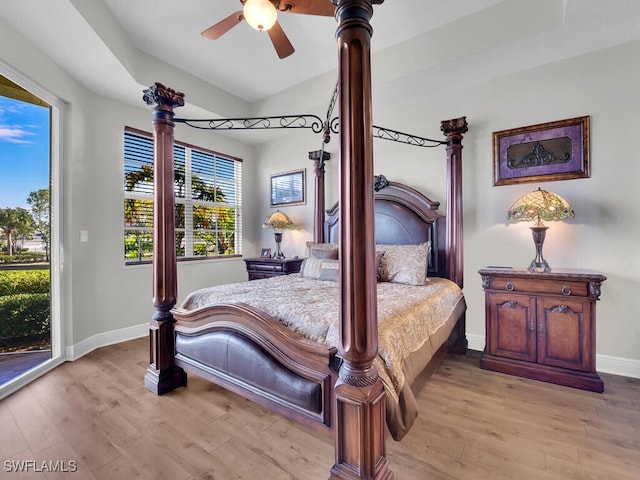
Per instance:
x=163, y=375
x=360, y=433
x=319, y=158
x=453, y=129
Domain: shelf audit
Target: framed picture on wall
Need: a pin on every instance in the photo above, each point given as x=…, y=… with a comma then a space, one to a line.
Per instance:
x=288, y=188
x=545, y=152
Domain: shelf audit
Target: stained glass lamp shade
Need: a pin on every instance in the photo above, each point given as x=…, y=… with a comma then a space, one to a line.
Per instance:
x=278, y=221
x=537, y=206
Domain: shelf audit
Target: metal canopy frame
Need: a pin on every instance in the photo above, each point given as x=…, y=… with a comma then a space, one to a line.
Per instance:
x=306, y=121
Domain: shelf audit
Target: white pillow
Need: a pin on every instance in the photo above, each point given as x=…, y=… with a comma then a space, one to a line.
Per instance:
x=320, y=268
x=310, y=267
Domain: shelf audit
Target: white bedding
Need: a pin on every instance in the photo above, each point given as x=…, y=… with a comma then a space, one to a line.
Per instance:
x=408, y=315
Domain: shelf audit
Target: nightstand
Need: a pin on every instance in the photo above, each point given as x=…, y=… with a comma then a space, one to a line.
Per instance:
x=271, y=267
x=542, y=325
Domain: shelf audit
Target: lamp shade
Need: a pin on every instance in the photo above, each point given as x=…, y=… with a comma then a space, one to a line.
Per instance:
x=540, y=205
x=260, y=14
x=278, y=221
x=537, y=206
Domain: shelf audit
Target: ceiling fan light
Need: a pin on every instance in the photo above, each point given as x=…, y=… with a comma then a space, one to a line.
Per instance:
x=260, y=14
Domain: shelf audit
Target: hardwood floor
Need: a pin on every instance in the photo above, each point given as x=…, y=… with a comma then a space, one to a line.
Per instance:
x=94, y=414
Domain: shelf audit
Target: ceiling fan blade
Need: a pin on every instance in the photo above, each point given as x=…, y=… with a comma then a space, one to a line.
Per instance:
x=309, y=7
x=280, y=41
x=223, y=26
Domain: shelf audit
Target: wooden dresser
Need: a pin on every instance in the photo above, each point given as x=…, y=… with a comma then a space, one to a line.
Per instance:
x=542, y=325
x=271, y=267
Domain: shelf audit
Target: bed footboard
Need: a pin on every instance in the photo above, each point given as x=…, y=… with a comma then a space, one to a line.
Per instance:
x=253, y=355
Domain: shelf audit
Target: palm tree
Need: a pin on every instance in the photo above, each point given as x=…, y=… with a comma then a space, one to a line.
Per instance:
x=138, y=213
x=39, y=202
x=15, y=221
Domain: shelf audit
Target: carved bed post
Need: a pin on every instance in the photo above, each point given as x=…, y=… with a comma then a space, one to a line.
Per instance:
x=163, y=375
x=453, y=129
x=360, y=443
x=319, y=158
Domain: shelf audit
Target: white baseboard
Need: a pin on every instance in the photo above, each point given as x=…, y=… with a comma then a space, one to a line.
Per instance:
x=476, y=342
x=77, y=350
x=626, y=367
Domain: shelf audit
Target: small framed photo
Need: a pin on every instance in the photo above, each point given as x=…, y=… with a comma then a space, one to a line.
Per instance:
x=288, y=188
x=265, y=253
x=545, y=152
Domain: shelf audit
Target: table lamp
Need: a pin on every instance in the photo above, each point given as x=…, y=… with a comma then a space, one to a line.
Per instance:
x=537, y=206
x=278, y=221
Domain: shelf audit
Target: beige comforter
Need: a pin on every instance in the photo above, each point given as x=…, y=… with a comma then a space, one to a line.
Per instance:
x=408, y=316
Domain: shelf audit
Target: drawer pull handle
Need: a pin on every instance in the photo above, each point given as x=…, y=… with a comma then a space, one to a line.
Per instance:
x=541, y=330
x=509, y=304
x=566, y=290
x=560, y=309
x=510, y=286
x=532, y=329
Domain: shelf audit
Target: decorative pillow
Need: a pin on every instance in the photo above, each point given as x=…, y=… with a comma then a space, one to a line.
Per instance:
x=310, y=267
x=317, y=250
x=329, y=270
x=323, y=265
x=405, y=263
x=379, y=265
x=328, y=253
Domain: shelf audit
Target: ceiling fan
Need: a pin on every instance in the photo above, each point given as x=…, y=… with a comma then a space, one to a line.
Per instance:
x=263, y=15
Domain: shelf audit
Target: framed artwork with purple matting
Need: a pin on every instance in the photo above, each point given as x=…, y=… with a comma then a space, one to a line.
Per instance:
x=542, y=153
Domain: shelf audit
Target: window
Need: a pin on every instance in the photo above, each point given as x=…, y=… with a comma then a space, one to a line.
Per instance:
x=208, y=198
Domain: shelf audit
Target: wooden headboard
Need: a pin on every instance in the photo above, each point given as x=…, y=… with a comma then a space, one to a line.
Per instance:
x=403, y=216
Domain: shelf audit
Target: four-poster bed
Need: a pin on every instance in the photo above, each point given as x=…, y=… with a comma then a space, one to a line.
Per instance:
x=235, y=335
x=333, y=388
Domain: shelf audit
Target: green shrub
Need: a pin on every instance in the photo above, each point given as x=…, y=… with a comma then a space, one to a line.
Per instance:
x=25, y=257
x=138, y=246
x=24, y=316
x=15, y=282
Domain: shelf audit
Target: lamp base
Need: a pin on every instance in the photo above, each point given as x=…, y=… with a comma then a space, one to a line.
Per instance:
x=278, y=255
x=539, y=264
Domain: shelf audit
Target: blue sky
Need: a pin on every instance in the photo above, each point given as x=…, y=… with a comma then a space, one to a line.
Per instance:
x=24, y=151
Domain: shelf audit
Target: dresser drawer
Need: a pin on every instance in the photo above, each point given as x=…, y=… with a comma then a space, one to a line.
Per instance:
x=271, y=267
x=267, y=267
x=537, y=285
x=259, y=275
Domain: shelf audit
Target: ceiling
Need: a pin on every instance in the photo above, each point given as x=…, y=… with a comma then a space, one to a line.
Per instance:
x=115, y=46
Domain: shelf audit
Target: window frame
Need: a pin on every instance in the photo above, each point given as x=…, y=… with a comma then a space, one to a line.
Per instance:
x=215, y=185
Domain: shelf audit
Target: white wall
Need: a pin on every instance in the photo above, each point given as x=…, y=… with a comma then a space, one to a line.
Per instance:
x=107, y=294
x=284, y=155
